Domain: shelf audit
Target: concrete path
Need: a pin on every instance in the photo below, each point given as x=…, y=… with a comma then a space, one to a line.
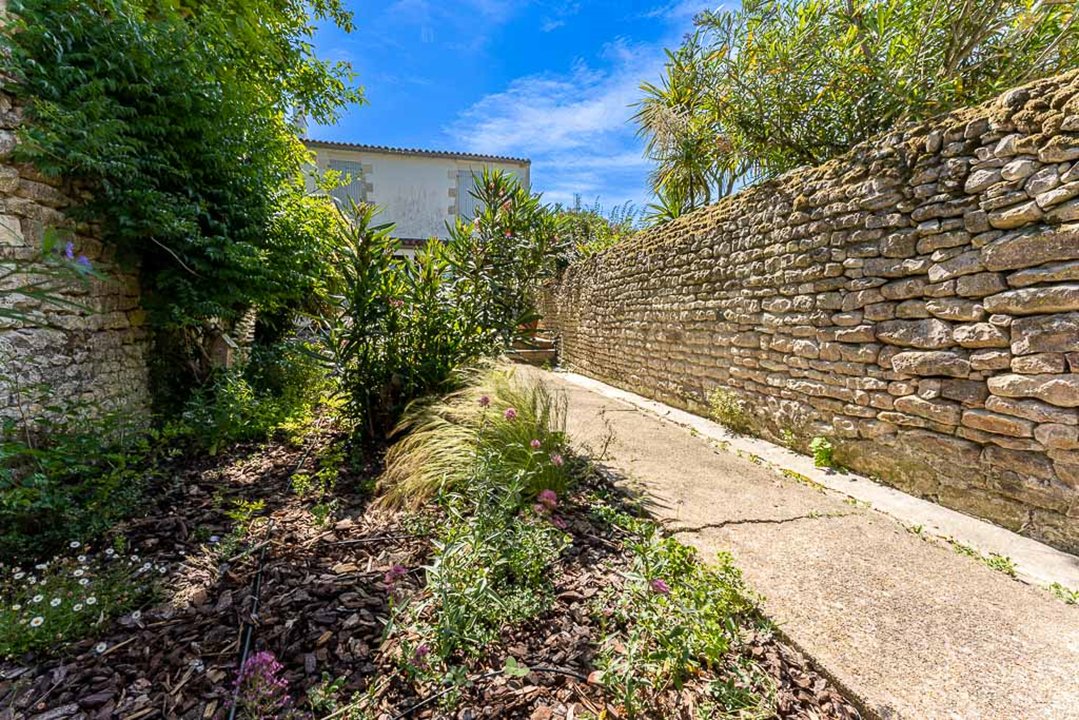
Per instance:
x=908, y=627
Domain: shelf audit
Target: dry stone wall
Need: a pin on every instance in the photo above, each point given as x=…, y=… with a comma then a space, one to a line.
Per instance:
x=91, y=353
x=916, y=301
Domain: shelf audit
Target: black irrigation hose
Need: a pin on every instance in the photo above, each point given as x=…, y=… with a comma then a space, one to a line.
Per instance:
x=249, y=627
x=485, y=676
x=248, y=633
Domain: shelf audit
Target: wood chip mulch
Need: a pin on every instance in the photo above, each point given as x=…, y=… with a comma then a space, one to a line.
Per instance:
x=322, y=610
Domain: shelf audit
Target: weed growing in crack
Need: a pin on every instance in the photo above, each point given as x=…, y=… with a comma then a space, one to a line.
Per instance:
x=729, y=410
x=1070, y=597
x=994, y=561
x=822, y=450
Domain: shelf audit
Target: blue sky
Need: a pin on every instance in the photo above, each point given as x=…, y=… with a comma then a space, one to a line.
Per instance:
x=551, y=81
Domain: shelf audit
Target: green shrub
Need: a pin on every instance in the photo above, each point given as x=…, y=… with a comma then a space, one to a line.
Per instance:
x=71, y=469
x=277, y=388
x=402, y=327
x=69, y=597
x=729, y=411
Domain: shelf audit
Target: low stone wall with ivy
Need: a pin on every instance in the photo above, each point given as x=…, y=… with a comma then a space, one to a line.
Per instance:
x=916, y=301
x=90, y=349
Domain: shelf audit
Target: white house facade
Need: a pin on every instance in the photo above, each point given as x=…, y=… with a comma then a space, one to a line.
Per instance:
x=420, y=191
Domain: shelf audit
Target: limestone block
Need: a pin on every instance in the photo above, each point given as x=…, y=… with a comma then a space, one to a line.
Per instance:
x=1058, y=437
x=981, y=335
x=967, y=263
x=1033, y=410
x=955, y=309
x=1057, y=389
x=1029, y=248
x=932, y=363
x=1034, y=300
x=1046, y=333
x=1015, y=216
x=1054, y=272
x=924, y=334
x=991, y=422
x=990, y=360
x=1039, y=363
x=939, y=411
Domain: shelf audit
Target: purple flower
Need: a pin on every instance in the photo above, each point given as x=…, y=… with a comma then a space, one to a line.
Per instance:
x=539, y=508
x=660, y=588
x=557, y=460
x=394, y=574
x=485, y=401
x=558, y=522
x=548, y=499
x=536, y=444
x=419, y=655
x=83, y=261
x=260, y=689
x=510, y=414
x=69, y=250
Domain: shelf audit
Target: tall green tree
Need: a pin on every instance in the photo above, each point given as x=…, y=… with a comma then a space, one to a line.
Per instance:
x=776, y=84
x=176, y=117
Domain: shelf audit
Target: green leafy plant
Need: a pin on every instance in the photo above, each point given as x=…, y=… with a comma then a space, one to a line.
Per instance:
x=588, y=230
x=728, y=410
x=672, y=617
x=69, y=597
x=822, y=451
x=771, y=85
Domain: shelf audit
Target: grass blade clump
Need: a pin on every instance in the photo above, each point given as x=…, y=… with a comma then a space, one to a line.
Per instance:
x=510, y=424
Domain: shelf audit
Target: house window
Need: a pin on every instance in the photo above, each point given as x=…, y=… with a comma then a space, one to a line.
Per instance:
x=468, y=206
x=353, y=189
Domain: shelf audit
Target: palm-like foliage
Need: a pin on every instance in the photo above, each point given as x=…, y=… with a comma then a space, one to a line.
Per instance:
x=777, y=84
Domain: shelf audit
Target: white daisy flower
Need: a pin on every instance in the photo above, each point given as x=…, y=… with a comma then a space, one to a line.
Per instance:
x=74, y=544
x=37, y=598
x=41, y=566
x=91, y=600
x=84, y=582
x=19, y=575
x=147, y=566
x=134, y=558
x=161, y=569
x=16, y=607
x=137, y=615
x=81, y=558
x=54, y=602
x=79, y=572
x=101, y=647
x=37, y=621
x=110, y=552
x=77, y=607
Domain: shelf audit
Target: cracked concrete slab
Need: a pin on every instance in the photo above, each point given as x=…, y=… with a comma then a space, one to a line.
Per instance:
x=909, y=628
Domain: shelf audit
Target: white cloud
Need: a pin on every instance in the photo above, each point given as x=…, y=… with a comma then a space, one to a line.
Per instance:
x=576, y=126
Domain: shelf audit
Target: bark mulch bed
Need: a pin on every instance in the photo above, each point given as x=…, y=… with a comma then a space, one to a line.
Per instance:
x=322, y=609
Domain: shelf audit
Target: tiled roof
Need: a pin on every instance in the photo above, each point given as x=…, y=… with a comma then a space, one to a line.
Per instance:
x=412, y=151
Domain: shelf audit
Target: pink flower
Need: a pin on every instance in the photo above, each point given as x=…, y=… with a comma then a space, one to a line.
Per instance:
x=394, y=574
x=548, y=499
x=536, y=444
x=539, y=508
x=510, y=414
x=419, y=655
x=557, y=460
x=485, y=401
x=660, y=588
x=558, y=522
